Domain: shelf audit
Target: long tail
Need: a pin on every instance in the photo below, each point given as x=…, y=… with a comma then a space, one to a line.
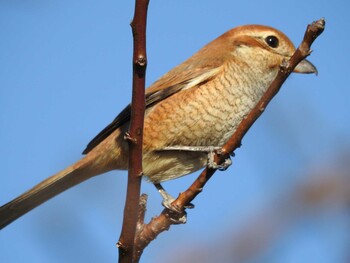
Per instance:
x=82, y=170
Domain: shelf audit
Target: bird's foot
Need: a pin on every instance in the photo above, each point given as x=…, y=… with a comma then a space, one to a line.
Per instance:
x=168, y=200
x=212, y=163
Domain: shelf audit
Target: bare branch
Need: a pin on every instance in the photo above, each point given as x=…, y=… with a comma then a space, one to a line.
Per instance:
x=134, y=137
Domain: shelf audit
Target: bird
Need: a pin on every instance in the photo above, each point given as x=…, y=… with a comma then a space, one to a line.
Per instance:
x=191, y=110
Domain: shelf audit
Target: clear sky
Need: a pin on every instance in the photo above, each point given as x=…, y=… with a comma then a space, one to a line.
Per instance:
x=65, y=73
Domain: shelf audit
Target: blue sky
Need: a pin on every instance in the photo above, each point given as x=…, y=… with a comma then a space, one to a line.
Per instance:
x=65, y=73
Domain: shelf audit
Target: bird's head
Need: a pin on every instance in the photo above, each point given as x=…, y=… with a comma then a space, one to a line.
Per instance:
x=262, y=45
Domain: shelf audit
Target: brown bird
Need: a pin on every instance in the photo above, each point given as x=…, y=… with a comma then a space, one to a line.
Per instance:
x=190, y=111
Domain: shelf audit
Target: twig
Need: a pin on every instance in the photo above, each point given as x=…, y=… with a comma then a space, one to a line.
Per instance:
x=166, y=218
x=134, y=137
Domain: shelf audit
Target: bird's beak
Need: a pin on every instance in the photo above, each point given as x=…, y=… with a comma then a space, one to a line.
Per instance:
x=305, y=67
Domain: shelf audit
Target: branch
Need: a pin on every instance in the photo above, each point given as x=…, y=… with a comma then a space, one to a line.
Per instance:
x=135, y=135
x=167, y=218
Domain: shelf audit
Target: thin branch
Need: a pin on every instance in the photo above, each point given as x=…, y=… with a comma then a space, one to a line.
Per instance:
x=167, y=218
x=135, y=136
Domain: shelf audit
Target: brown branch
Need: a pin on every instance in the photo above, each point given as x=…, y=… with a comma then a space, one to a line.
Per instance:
x=167, y=218
x=134, y=137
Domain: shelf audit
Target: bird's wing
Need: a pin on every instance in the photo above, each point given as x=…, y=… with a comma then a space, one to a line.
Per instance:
x=185, y=76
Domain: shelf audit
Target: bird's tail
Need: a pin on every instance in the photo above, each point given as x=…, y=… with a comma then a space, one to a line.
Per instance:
x=82, y=170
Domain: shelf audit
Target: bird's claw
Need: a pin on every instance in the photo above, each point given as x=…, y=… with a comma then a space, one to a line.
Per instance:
x=176, y=214
x=221, y=167
x=168, y=203
x=168, y=200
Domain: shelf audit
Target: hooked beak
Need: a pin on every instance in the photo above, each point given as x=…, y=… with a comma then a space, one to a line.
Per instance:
x=305, y=67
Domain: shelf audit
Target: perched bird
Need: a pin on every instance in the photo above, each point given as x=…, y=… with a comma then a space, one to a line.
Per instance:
x=192, y=109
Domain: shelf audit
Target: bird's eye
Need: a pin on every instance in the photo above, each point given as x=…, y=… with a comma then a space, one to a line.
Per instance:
x=272, y=41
